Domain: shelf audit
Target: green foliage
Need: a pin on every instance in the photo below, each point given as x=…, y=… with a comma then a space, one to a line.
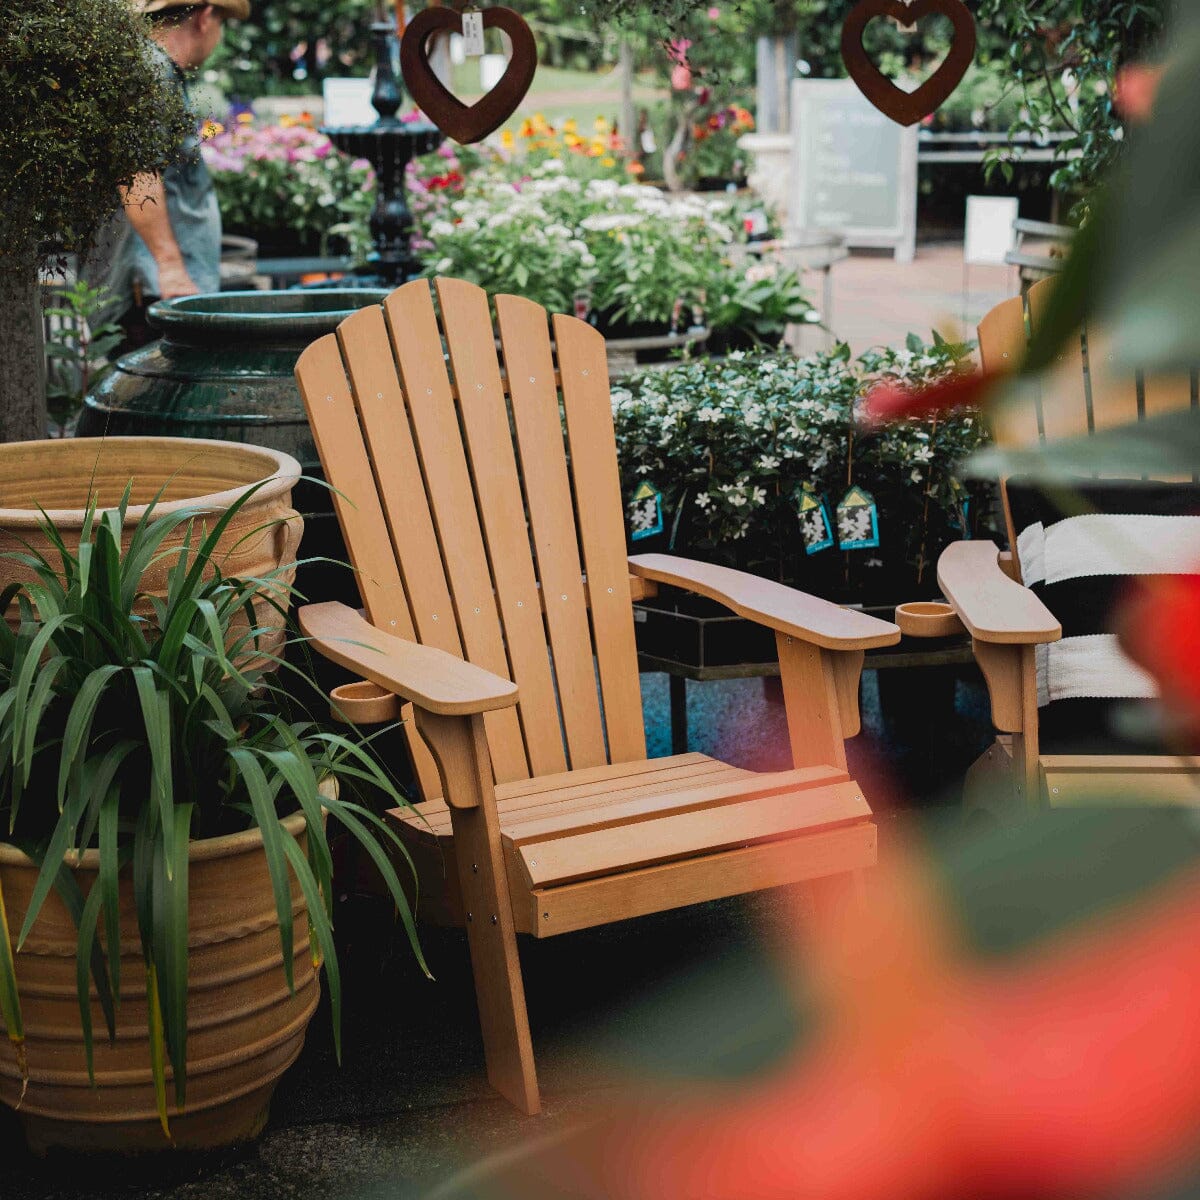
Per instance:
x=333, y=36
x=762, y=299
x=134, y=735
x=1042, y=39
x=730, y=443
x=78, y=350
x=83, y=109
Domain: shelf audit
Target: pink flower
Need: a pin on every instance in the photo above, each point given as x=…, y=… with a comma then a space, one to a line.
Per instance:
x=681, y=77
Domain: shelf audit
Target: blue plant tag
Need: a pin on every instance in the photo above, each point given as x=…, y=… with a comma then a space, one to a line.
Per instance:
x=960, y=518
x=645, y=512
x=858, y=521
x=816, y=529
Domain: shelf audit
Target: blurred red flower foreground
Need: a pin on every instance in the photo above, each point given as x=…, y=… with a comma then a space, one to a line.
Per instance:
x=892, y=401
x=1160, y=630
x=1070, y=1071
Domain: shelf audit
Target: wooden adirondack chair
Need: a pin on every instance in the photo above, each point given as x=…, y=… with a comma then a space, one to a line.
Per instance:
x=1082, y=395
x=490, y=552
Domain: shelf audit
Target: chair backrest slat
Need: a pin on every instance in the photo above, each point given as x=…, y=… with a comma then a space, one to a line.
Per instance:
x=340, y=444
x=486, y=430
x=471, y=515
x=583, y=362
x=1082, y=393
x=525, y=341
x=417, y=342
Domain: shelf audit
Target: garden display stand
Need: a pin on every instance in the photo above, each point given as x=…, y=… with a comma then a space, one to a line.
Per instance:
x=1007, y=621
x=541, y=814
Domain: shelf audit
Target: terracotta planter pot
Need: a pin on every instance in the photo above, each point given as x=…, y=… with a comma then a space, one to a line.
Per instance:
x=61, y=476
x=244, y=1029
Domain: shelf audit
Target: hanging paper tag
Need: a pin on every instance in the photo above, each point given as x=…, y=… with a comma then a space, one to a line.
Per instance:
x=645, y=512
x=858, y=521
x=472, y=23
x=816, y=530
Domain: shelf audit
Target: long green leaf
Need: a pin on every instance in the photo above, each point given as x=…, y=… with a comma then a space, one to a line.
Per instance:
x=170, y=917
x=322, y=928
x=158, y=1058
x=79, y=721
x=156, y=715
x=10, y=999
x=273, y=840
x=83, y=962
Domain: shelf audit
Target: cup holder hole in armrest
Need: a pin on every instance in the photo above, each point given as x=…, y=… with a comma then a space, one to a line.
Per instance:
x=928, y=619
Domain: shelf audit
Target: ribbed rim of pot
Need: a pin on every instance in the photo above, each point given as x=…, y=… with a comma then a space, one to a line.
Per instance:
x=201, y=851
x=294, y=313
x=227, y=846
x=280, y=470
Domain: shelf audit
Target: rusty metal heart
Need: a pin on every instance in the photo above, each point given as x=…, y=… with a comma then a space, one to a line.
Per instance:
x=467, y=123
x=907, y=108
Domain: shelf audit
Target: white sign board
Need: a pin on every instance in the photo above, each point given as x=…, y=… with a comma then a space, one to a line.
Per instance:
x=990, y=234
x=853, y=170
x=348, y=102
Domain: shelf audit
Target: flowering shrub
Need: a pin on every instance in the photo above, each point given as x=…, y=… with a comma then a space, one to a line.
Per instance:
x=635, y=253
x=735, y=446
x=561, y=229
x=286, y=177
x=597, y=155
x=714, y=153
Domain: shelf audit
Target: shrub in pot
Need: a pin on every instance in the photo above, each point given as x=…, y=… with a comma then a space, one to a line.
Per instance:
x=166, y=872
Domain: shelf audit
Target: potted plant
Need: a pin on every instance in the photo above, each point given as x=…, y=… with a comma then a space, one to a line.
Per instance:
x=754, y=304
x=165, y=877
x=735, y=446
x=83, y=109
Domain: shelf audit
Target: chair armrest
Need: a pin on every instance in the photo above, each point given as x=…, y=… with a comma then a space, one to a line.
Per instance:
x=771, y=604
x=431, y=679
x=993, y=607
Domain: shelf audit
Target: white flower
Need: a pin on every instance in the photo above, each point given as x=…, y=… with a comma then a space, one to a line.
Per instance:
x=444, y=265
x=709, y=415
x=704, y=501
x=768, y=462
x=440, y=229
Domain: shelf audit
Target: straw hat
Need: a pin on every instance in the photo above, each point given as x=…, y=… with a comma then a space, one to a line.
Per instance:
x=238, y=9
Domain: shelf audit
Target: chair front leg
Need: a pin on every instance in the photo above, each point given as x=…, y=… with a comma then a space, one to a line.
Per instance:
x=459, y=747
x=820, y=694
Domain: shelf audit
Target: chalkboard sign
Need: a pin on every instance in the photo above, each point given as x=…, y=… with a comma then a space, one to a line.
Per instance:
x=854, y=171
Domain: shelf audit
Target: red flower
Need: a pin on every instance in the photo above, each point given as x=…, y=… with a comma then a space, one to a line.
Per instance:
x=1071, y=1071
x=892, y=401
x=1160, y=631
x=1137, y=89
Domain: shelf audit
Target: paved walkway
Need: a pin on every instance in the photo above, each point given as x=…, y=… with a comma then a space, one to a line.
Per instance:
x=878, y=301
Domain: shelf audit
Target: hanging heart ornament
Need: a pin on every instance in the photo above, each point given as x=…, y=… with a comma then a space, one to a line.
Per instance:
x=907, y=108
x=466, y=123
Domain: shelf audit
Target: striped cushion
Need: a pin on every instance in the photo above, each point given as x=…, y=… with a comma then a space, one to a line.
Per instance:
x=1078, y=551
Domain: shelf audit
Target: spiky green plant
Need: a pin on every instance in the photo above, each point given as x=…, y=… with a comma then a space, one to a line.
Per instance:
x=135, y=733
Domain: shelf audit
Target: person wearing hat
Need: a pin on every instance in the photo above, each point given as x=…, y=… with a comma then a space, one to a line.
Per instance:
x=165, y=240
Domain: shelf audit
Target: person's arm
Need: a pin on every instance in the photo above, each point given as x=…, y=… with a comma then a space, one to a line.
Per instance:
x=146, y=207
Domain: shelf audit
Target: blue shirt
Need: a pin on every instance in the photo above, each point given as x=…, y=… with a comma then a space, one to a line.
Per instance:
x=122, y=261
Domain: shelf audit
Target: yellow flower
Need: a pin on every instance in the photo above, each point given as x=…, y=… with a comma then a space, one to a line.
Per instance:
x=210, y=129
x=286, y=121
x=601, y=125
x=570, y=125
x=245, y=118
x=608, y=161
x=527, y=128
x=507, y=140
x=573, y=140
